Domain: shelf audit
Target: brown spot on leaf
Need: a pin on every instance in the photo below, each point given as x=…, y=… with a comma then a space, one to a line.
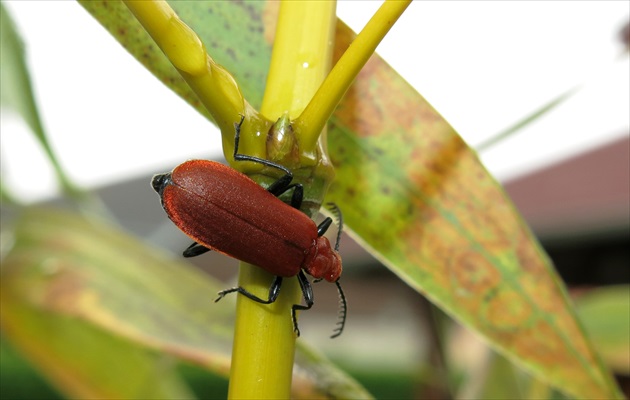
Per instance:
x=473, y=273
x=269, y=19
x=505, y=310
x=64, y=290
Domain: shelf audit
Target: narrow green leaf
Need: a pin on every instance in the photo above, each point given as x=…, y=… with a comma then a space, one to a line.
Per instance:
x=134, y=311
x=540, y=112
x=16, y=92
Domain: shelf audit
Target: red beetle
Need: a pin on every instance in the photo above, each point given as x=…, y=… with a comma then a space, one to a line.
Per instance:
x=223, y=210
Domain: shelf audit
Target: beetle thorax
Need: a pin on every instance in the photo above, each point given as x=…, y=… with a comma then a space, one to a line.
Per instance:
x=325, y=262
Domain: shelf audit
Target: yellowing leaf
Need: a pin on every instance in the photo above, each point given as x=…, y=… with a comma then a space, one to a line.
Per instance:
x=104, y=316
x=415, y=194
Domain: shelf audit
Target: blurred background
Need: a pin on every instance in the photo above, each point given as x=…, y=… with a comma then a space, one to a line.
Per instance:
x=484, y=65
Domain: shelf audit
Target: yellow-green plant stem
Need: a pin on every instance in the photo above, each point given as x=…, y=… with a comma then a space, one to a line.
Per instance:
x=302, y=53
x=214, y=86
x=330, y=93
x=264, y=342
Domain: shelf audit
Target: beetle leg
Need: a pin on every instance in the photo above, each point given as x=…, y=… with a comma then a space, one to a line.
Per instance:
x=281, y=185
x=309, y=298
x=298, y=195
x=244, y=157
x=194, y=250
x=274, y=291
x=323, y=226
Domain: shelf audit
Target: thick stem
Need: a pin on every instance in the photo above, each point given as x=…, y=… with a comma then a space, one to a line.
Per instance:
x=302, y=53
x=264, y=342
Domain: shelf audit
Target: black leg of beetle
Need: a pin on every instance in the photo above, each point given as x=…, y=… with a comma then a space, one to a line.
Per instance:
x=323, y=226
x=274, y=291
x=296, y=197
x=194, y=250
x=242, y=157
x=307, y=292
x=281, y=185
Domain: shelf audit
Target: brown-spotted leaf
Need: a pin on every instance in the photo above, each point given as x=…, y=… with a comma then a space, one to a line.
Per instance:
x=415, y=194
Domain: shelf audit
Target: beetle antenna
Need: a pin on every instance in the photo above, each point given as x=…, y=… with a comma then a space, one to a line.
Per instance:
x=337, y=212
x=342, y=312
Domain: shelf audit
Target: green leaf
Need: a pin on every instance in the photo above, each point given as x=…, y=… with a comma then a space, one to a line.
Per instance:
x=87, y=362
x=16, y=93
x=102, y=315
x=605, y=313
x=540, y=112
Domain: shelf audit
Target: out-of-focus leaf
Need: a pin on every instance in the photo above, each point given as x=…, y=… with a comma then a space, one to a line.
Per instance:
x=541, y=111
x=415, y=195
x=605, y=313
x=317, y=376
x=485, y=374
x=19, y=379
x=16, y=92
x=84, y=361
x=104, y=316
x=89, y=306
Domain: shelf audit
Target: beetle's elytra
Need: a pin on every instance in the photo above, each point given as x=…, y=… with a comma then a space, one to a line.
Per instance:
x=223, y=210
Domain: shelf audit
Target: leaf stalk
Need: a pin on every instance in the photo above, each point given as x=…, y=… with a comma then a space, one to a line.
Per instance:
x=336, y=84
x=215, y=87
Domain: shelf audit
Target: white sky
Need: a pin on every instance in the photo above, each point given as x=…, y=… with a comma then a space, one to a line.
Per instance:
x=483, y=65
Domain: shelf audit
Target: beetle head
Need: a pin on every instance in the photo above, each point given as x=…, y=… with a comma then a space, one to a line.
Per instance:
x=160, y=181
x=326, y=264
